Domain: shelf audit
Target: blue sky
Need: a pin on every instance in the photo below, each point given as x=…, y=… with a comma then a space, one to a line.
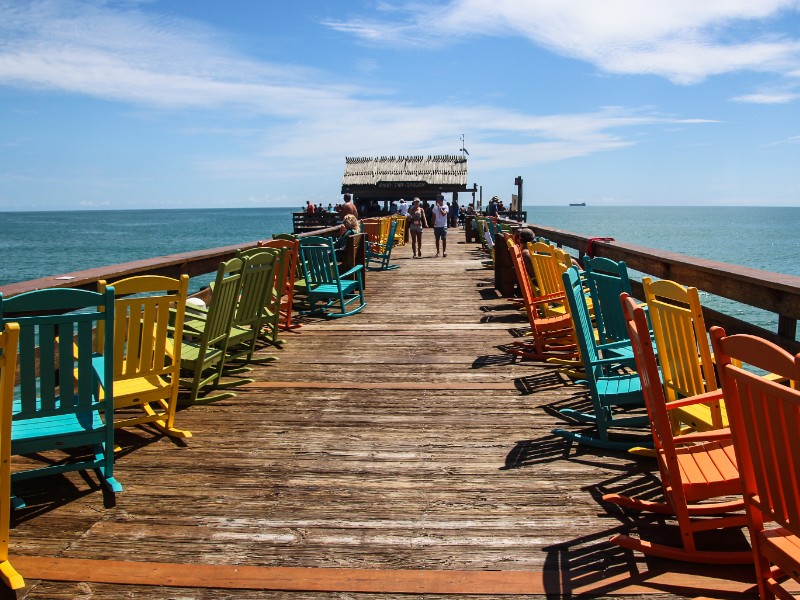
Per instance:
x=203, y=103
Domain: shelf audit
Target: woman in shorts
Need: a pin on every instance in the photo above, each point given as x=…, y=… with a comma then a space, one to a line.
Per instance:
x=416, y=219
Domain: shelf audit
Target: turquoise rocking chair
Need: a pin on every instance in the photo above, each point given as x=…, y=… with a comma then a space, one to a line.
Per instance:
x=613, y=393
x=328, y=291
x=58, y=403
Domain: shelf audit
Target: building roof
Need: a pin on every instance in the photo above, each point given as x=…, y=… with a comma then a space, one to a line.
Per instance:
x=442, y=170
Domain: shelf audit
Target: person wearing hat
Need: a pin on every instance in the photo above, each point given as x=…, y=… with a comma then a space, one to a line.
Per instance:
x=416, y=219
x=440, y=224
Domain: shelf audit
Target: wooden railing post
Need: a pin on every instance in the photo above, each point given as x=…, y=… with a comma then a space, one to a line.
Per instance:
x=787, y=327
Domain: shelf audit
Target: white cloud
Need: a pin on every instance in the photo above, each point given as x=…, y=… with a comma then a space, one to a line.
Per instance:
x=306, y=123
x=682, y=40
x=768, y=98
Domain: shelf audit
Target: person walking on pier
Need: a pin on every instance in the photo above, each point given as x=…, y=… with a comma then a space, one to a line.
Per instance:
x=440, y=224
x=416, y=219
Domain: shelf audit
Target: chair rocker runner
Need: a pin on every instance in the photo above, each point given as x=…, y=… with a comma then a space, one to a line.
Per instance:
x=58, y=404
x=613, y=393
x=148, y=332
x=325, y=285
x=9, y=338
x=765, y=416
x=699, y=471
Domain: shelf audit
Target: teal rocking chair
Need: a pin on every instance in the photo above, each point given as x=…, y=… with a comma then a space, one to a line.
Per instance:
x=613, y=392
x=382, y=253
x=606, y=280
x=325, y=285
x=58, y=403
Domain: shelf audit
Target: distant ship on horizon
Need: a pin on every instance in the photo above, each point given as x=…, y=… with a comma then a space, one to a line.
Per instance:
x=577, y=203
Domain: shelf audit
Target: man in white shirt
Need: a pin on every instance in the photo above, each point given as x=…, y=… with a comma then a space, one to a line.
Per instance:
x=402, y=208
x=440, y=224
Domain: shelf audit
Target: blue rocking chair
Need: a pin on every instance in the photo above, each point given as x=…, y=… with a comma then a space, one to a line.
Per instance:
x=613, y=393
x=324, y=284
x=58, y=403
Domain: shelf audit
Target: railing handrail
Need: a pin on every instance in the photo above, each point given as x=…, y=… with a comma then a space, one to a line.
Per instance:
x=774, y=292
x=198, y=262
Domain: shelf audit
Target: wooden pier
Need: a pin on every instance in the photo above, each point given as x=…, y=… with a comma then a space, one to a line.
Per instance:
x=397, y=451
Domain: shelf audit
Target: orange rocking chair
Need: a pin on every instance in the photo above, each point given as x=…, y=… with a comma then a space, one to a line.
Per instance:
x=698, y=470
x=551, y=337
x=765, y=420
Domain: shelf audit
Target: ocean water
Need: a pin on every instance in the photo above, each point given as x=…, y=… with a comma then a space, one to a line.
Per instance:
x=39, y=244
x=758, y=237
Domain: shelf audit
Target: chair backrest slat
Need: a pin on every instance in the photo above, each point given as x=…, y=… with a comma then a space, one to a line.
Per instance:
x=53, y=380
x=226, y=291
x=647, y=368
x=764, y=417
x=606, y=280
x=582, y=320
x=319, y=260
x=681, y=338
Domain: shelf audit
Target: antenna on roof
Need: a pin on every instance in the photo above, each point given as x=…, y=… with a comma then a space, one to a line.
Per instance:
x=463, y=149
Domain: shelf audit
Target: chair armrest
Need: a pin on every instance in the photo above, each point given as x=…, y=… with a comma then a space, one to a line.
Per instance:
x=547, y=299
x=713, y=435
x=698, y=399
x=614, y=345
x=355, y=269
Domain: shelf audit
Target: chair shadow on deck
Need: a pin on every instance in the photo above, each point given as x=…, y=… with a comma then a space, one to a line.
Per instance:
x=50, y=493
x=489, y=294
x=516, y=332
x=507, y=317
x=544, y=381
x=47, y=494
x=493, y=360
x=591, y=565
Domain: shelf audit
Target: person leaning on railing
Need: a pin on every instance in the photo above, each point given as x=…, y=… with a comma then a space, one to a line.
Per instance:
x=349, y=228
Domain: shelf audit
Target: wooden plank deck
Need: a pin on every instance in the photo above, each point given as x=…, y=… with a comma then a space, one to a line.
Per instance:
x=397, y=451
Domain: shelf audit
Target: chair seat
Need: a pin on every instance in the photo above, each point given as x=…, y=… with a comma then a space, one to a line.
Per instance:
x=708, y=470
x=624, y=389
x=782, y=548
x=48, y=432
x=139, y=387
x=191, y=352
x=332, y=289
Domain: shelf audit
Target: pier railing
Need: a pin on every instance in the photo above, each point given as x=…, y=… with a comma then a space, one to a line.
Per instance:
x=193, y=264
x=773, y=292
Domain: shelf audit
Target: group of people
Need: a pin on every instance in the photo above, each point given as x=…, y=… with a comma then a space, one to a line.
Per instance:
x=416, y=219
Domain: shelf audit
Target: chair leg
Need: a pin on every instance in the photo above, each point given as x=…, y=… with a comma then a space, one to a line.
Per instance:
x=10, y=576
